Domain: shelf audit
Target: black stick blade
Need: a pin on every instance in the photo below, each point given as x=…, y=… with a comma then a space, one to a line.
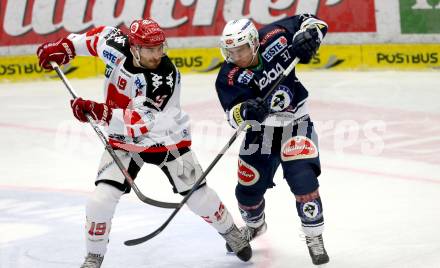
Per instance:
x=143, y=239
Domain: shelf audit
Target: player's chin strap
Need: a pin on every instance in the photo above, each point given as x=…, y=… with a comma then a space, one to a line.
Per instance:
x=110, y=150
x=136, y=56
x=254, y=54
x=140, y=240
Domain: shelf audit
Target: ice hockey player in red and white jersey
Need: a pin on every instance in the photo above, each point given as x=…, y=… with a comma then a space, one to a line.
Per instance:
x=142, y=116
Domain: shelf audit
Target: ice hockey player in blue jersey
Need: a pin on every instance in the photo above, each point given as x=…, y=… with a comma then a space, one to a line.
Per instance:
x=279, y=130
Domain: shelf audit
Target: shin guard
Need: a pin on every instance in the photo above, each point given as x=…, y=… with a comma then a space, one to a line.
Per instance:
x=99, y=213
x=253, y=216
x=310, y=211
x=206, y=203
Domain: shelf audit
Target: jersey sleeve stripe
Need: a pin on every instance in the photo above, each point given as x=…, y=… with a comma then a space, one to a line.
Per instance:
x=93, y=35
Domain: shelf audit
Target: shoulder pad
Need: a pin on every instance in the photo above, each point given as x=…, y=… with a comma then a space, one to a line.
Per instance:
x=118, y=40
x=268, y=34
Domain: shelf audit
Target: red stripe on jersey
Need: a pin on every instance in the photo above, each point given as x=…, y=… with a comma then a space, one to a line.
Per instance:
x=132, y=117
x=89, y=47
x=152, y=149
x=130, y=131
x=95, y=45
x=94, y=33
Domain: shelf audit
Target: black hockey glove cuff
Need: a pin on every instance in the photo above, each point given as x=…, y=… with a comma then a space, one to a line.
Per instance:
x=305, y=43
x=254, y=109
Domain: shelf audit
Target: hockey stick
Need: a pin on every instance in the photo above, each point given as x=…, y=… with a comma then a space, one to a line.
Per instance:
x=140, y=240
x=110, y=150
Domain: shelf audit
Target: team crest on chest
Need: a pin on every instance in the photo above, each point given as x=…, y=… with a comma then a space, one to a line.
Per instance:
x=281, y=99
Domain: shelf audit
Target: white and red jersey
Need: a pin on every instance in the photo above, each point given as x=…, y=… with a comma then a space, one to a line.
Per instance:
x=146, y=103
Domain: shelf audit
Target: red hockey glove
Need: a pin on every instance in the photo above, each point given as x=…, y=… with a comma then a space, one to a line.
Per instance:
x=98, y=111
x=60, y=52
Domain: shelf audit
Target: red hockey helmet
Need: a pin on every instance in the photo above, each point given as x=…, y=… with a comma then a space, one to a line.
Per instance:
x=146, y=33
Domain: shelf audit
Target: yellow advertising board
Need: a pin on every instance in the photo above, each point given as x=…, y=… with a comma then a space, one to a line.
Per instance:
x=376, y=56
x=196, y=60
x=22, y=68
x=208, y=60
x=401, y=57
x=335, y=57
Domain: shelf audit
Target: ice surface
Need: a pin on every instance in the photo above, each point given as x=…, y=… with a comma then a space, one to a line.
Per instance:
x=380, y=184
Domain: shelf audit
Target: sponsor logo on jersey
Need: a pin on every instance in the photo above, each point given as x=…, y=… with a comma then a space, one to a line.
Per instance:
x=120, y=40
x=270, y=76
x=270, y=34
x=245, y=77
x=139, y=85
x=110, y=56
x=157, y=81
x=170, y=80
x=108, y=70
x=231, y=75
x=298, y=147
x=275, y=48
x=113, y=33
x=247, y=174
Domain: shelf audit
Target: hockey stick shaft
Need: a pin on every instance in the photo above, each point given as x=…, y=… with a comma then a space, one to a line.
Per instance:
x=140, y=240
x=110, y=150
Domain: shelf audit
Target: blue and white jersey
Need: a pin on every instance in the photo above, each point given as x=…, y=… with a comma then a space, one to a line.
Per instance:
x=288, y=102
